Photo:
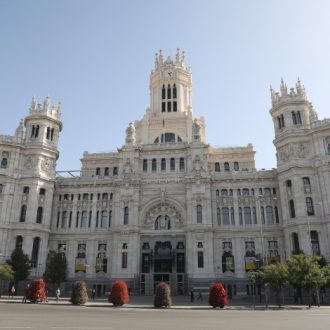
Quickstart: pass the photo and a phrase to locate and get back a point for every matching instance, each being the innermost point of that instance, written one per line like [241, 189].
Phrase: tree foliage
[163, 295]
[56, 268]
[79, 295]
[306, 272]
[6, 272]
[276, 275]
[119, 294]
[20, 263]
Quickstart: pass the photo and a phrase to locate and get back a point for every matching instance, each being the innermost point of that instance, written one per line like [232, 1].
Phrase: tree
[163, 295]
[217, 296]
[306, 272]
[119, 294]
[56, 268]
[276, 275]
[6, 272]
[21, 265]
[79, 295]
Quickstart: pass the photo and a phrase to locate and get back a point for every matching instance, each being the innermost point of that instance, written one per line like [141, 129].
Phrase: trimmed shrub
[163, 295]
[119, 294]
[79, 295]
[36, 292]
[217, 296]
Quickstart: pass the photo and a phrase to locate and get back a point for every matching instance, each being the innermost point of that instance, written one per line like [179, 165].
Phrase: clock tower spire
[170, 86]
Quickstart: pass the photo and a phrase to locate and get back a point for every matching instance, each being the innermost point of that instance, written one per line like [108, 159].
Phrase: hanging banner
[80, 265]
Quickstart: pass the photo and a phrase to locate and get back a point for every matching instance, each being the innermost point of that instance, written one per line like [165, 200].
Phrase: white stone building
[166, 205]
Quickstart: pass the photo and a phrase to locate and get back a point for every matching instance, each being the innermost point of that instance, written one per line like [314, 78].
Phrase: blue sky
[95, 57]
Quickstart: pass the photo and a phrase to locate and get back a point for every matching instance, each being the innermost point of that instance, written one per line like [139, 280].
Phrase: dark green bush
[163, 295]
[79, 295]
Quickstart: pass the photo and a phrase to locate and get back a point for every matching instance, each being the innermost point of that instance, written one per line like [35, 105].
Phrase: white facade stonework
[166, 205]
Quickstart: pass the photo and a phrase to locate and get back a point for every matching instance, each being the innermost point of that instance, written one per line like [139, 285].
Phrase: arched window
[98, 171]
[228, 262]
[163, 93]
[225, 216]
[37, 131]
[254, 213]
[240, 214]
[309, 206]
[145, 165]
[218, 216]
[35, 252]
[32, 131]
[51, 134]
[23, 213]
[115, 171]
[48, 133]
[306, 181]
[224, 192]
[315, 243]
[295, 243]
[247, 215]
[39, 215]
[217, 167]
[282, 121]
[232, 216]
[269, 215]
[163, 164]
[294, 118]
[199, 214]
[126, 215]
[236, 166]
[64, 221]
[154, 165]
[42, 191]
[262, 210]
[299, 118]
[276, 215]
[105, 196]
[174, 91]
[230, 192]
[4, 163]
[19, 242]
[172, 164]
[104, 219]
[226, 167]
[217, 193]
[246, 192]
[292, 209]
[111, 196]
[106, 171]
[181, 164]
[169, 92]
[83, 223]
[163, 222]
[267, 192]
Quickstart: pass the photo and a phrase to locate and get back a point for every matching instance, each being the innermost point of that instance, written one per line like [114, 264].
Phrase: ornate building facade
[167, 206]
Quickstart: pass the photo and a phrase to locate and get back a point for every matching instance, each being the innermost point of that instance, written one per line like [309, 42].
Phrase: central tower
[169, 117]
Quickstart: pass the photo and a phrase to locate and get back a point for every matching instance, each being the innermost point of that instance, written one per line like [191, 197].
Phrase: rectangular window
[200, 259]
[169, 106]
[309, 206]
[124, 260]
[163, 106]
[172, 164]
[181, 164]
[175, 106]
[70, 219]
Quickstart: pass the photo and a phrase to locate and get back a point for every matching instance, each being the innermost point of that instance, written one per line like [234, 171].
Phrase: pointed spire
[177, 56]
[46, 103]
[283, 88]
[156, 60]
[33, 106]
[160, 56]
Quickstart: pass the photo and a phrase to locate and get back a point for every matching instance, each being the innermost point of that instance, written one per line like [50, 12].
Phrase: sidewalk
[178, 302]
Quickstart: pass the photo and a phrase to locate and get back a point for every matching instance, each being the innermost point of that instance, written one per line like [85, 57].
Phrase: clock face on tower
[168, 74]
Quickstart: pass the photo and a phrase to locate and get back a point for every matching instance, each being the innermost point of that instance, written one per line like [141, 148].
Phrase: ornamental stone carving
[158, 217]
[130, 134]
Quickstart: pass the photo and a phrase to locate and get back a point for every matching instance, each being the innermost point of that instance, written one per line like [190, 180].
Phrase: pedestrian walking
[93, 294]
[192, 298]
[26, 292]
[200, 296]
[58, 292]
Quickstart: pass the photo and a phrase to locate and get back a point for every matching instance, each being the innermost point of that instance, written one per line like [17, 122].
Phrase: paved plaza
[139, 315]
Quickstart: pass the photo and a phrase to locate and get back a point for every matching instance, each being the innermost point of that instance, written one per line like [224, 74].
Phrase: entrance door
[161, 278]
